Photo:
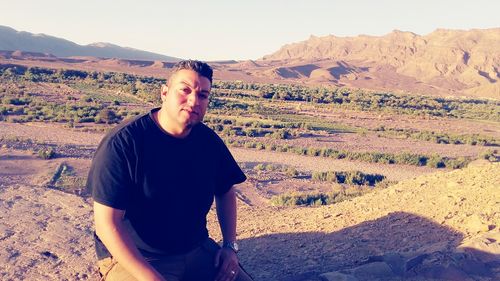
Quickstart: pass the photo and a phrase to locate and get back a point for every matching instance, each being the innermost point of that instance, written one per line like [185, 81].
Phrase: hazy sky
[224, 29]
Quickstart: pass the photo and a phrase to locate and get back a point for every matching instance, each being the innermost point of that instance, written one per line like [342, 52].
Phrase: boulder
[337, 276]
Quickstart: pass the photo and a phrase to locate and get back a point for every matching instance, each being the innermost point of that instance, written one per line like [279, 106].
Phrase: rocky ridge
[430, 227]
[461, 60]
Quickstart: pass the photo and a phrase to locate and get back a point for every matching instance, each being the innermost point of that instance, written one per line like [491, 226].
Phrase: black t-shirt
[165, 185]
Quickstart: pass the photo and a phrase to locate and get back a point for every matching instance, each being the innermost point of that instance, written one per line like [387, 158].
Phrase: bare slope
[47, 234]
[444, 62]
[430, 214]
[12, 40]
[456, 60]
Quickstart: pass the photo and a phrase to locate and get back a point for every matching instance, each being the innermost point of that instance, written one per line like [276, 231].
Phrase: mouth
[190, 111]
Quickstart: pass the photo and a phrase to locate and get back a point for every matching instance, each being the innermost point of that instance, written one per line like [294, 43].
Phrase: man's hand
[227, 262]
[110, 229]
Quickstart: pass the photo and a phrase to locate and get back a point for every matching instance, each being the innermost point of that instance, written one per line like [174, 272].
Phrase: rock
[442, 272]
[395, 261]
[447, 266]
[337, 276]
[474, 224]
[5, 232]
[374, 270]
[474, 267]
[485, 248]
[415, 261]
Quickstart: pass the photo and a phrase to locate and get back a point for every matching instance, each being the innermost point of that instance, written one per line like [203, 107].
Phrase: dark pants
[196, 265]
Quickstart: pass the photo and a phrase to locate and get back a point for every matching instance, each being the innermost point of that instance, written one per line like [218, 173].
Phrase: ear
[164, 90]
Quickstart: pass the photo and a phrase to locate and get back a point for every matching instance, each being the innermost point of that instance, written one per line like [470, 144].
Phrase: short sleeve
[109, 178]
[229, 173]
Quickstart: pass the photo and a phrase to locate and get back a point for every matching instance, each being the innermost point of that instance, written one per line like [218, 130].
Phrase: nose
[193, 99]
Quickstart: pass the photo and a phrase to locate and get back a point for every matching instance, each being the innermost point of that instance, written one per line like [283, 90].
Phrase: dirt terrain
[374, 120]
[432, 222]
[446, 63]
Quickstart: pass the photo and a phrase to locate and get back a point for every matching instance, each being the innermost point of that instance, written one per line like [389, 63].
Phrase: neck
[169, 127]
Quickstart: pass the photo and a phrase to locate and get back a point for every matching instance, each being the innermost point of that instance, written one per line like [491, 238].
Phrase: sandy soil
[373, 120]
[431, 213]
[58, 134]
[310, 163]
[49, 133]
[370, 142]
[46, 234]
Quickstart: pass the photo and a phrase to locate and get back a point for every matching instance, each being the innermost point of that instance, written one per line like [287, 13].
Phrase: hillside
[13, 40]
[431, 217]
[423, 228]
[449, 60]
[445, 63]
[410, 209]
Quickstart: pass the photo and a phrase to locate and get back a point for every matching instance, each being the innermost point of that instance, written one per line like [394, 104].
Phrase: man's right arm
[110, 229]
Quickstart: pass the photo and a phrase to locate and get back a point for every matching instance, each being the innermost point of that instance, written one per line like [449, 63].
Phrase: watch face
[232, 245]
[235, 247]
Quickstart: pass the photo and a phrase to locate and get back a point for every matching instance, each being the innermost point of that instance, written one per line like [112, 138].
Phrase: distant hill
[460, 61]
[13, 40]
[447, 63]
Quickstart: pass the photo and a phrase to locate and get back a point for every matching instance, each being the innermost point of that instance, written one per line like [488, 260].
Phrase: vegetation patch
[437, 137]
[433, 161]
[287, 170]
[315, 199]
[65, 179]
[46, 153]
[348, 177]
[479, 109]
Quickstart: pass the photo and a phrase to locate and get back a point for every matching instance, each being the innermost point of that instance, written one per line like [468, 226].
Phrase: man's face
[185, 99]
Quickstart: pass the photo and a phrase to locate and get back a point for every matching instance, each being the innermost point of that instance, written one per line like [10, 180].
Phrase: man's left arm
[226, 259]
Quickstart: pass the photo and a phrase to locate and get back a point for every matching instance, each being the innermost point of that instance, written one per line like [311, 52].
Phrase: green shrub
[107, 116]
[314, 199]
[385, 184]
[260, 146]
[260, 167]
[411, 159]
[291, 172]
[299, 199]
[349, 177]
[281, 134]
[490, 155]
[46, 153]
[436, 161]
[457, 163]
[271, 147]
[250, 132]
[217, 127]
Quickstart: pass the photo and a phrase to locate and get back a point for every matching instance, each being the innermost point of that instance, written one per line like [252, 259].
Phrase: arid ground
[342, 184]
[46, 231]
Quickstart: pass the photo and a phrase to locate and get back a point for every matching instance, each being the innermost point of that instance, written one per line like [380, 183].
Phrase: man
[153, 181]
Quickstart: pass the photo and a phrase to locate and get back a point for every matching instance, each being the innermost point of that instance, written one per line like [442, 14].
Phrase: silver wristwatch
[231, 245]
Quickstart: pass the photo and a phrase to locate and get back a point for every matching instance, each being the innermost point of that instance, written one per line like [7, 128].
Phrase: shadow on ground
[411, 246]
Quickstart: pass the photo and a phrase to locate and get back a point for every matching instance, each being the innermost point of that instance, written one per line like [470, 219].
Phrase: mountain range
[457, 63]
[453, 61]
[11, 40]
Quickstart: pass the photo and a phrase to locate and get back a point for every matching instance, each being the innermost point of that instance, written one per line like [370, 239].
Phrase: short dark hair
[197, 66]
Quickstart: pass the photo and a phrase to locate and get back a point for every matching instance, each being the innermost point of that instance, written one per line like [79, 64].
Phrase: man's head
[185, 97]
[199, 67]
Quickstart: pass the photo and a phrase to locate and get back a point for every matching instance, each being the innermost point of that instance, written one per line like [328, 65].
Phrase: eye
[185, 90]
